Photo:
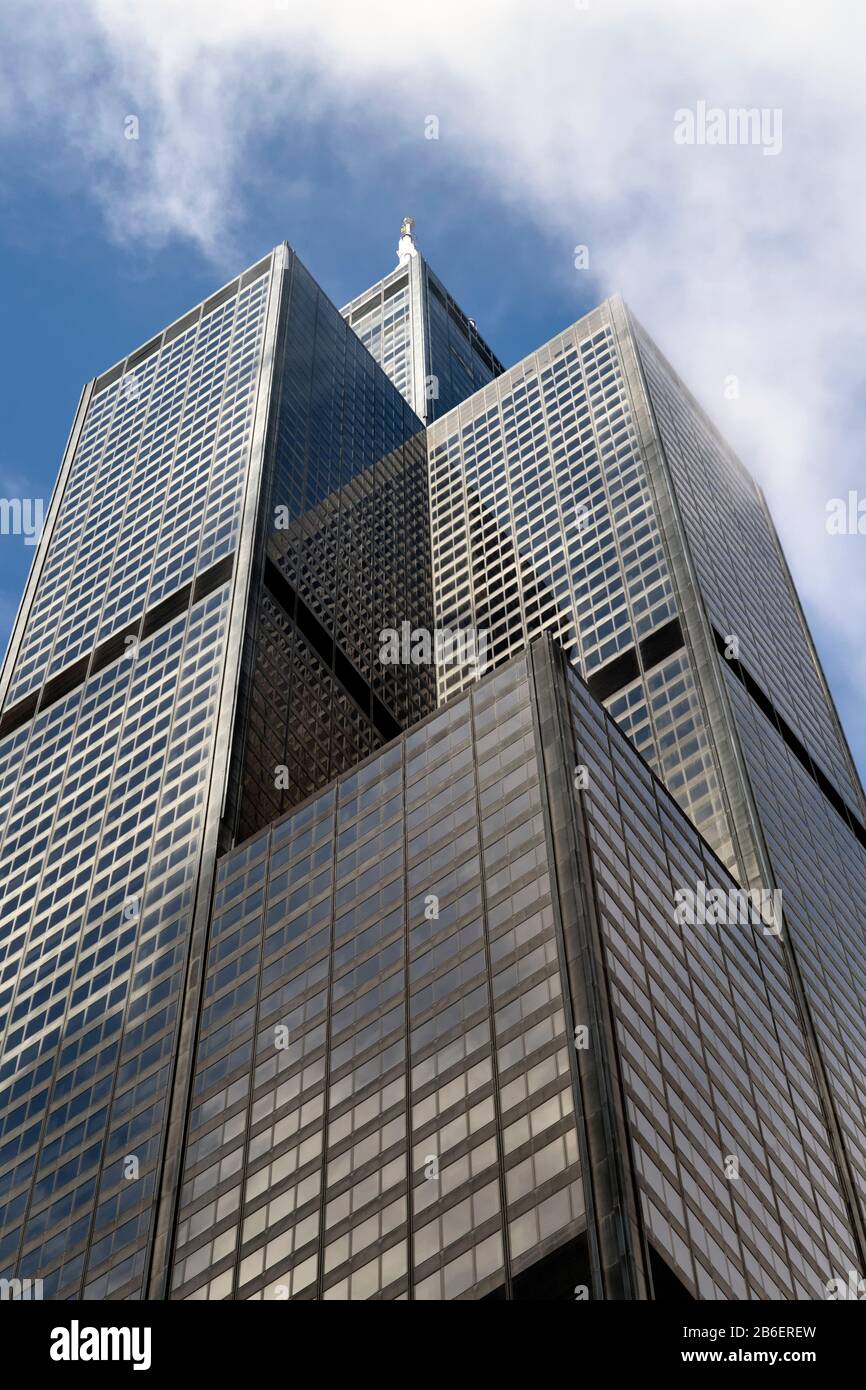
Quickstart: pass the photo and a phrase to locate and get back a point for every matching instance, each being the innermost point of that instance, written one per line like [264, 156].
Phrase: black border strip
[326, 648]
[783, 728]
[617, 673]
[114, 646]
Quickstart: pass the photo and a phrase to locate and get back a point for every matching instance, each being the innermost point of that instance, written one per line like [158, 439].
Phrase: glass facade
[383, 1105]
[544, 521]
[224, 546]
[153, 497]
[422, 340]
[325, 975]
[767, 694]
[344, 555]
[585, 493]
[712, 1051]
[741, 572]
[107, 746]
[388, 1100]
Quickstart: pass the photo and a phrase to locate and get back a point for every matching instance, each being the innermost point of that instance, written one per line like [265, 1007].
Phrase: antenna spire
[406, 247]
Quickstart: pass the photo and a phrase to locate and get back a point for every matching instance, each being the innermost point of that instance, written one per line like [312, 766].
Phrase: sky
[558, 125]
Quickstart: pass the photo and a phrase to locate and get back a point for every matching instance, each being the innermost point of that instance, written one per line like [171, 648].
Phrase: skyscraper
[544, 519]
[420, 336]
[457, 1045]
[586, 493]
[196, 647]
[313, 989]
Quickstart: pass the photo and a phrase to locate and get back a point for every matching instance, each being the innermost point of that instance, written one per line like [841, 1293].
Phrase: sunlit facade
[196, 648]
[586, 493]
[449, 988]
[420, 336]
[544, 520]
[330, 976]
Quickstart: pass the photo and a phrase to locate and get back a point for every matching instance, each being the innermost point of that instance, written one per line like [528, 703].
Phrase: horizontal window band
[165, 612]
[67, 680]
[212, 578]
[661, 644]
[612, 677]
[395, 288]
[19, 714]
[114, 646]
[625, 668]
[330, 653]
[221, 297]
[181, 326]
[364, 309]
[792, 742]
[255, 271]
[108, 377]
[143, 352]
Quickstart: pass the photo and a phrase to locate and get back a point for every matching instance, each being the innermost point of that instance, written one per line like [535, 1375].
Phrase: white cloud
[737, 263]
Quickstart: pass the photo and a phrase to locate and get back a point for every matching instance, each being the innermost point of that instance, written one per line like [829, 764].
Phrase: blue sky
[269, 121]
[76, 299]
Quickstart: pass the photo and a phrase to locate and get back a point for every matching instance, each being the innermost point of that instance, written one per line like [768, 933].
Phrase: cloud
[739, 264]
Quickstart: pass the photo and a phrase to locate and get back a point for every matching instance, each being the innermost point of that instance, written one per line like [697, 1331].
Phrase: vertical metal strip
[173, 1135]
[617, 1238]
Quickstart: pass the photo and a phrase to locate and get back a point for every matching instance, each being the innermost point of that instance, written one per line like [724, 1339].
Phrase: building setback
[456, 1045]
[420, 336]
[196, 647]
[329, 975]
[586, 493]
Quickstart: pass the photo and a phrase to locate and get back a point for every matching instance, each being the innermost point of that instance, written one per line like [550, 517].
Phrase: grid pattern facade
[345, 556]
[660, 713]
[821, 868]
[459, 360]
[117, 721]
[111, 717]
[386, 1103]
[743, 580]
[102, 819]
[543, 521]
[385, 1092]
[422, 340]
[383, 322]
[713, 1058]
[383, 1104]
[808, 803]
[153, 496]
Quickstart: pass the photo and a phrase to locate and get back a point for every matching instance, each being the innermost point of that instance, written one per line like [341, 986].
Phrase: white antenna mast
[406, 247]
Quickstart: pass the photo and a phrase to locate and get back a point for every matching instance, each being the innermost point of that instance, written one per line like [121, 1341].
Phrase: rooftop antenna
[406, 247]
